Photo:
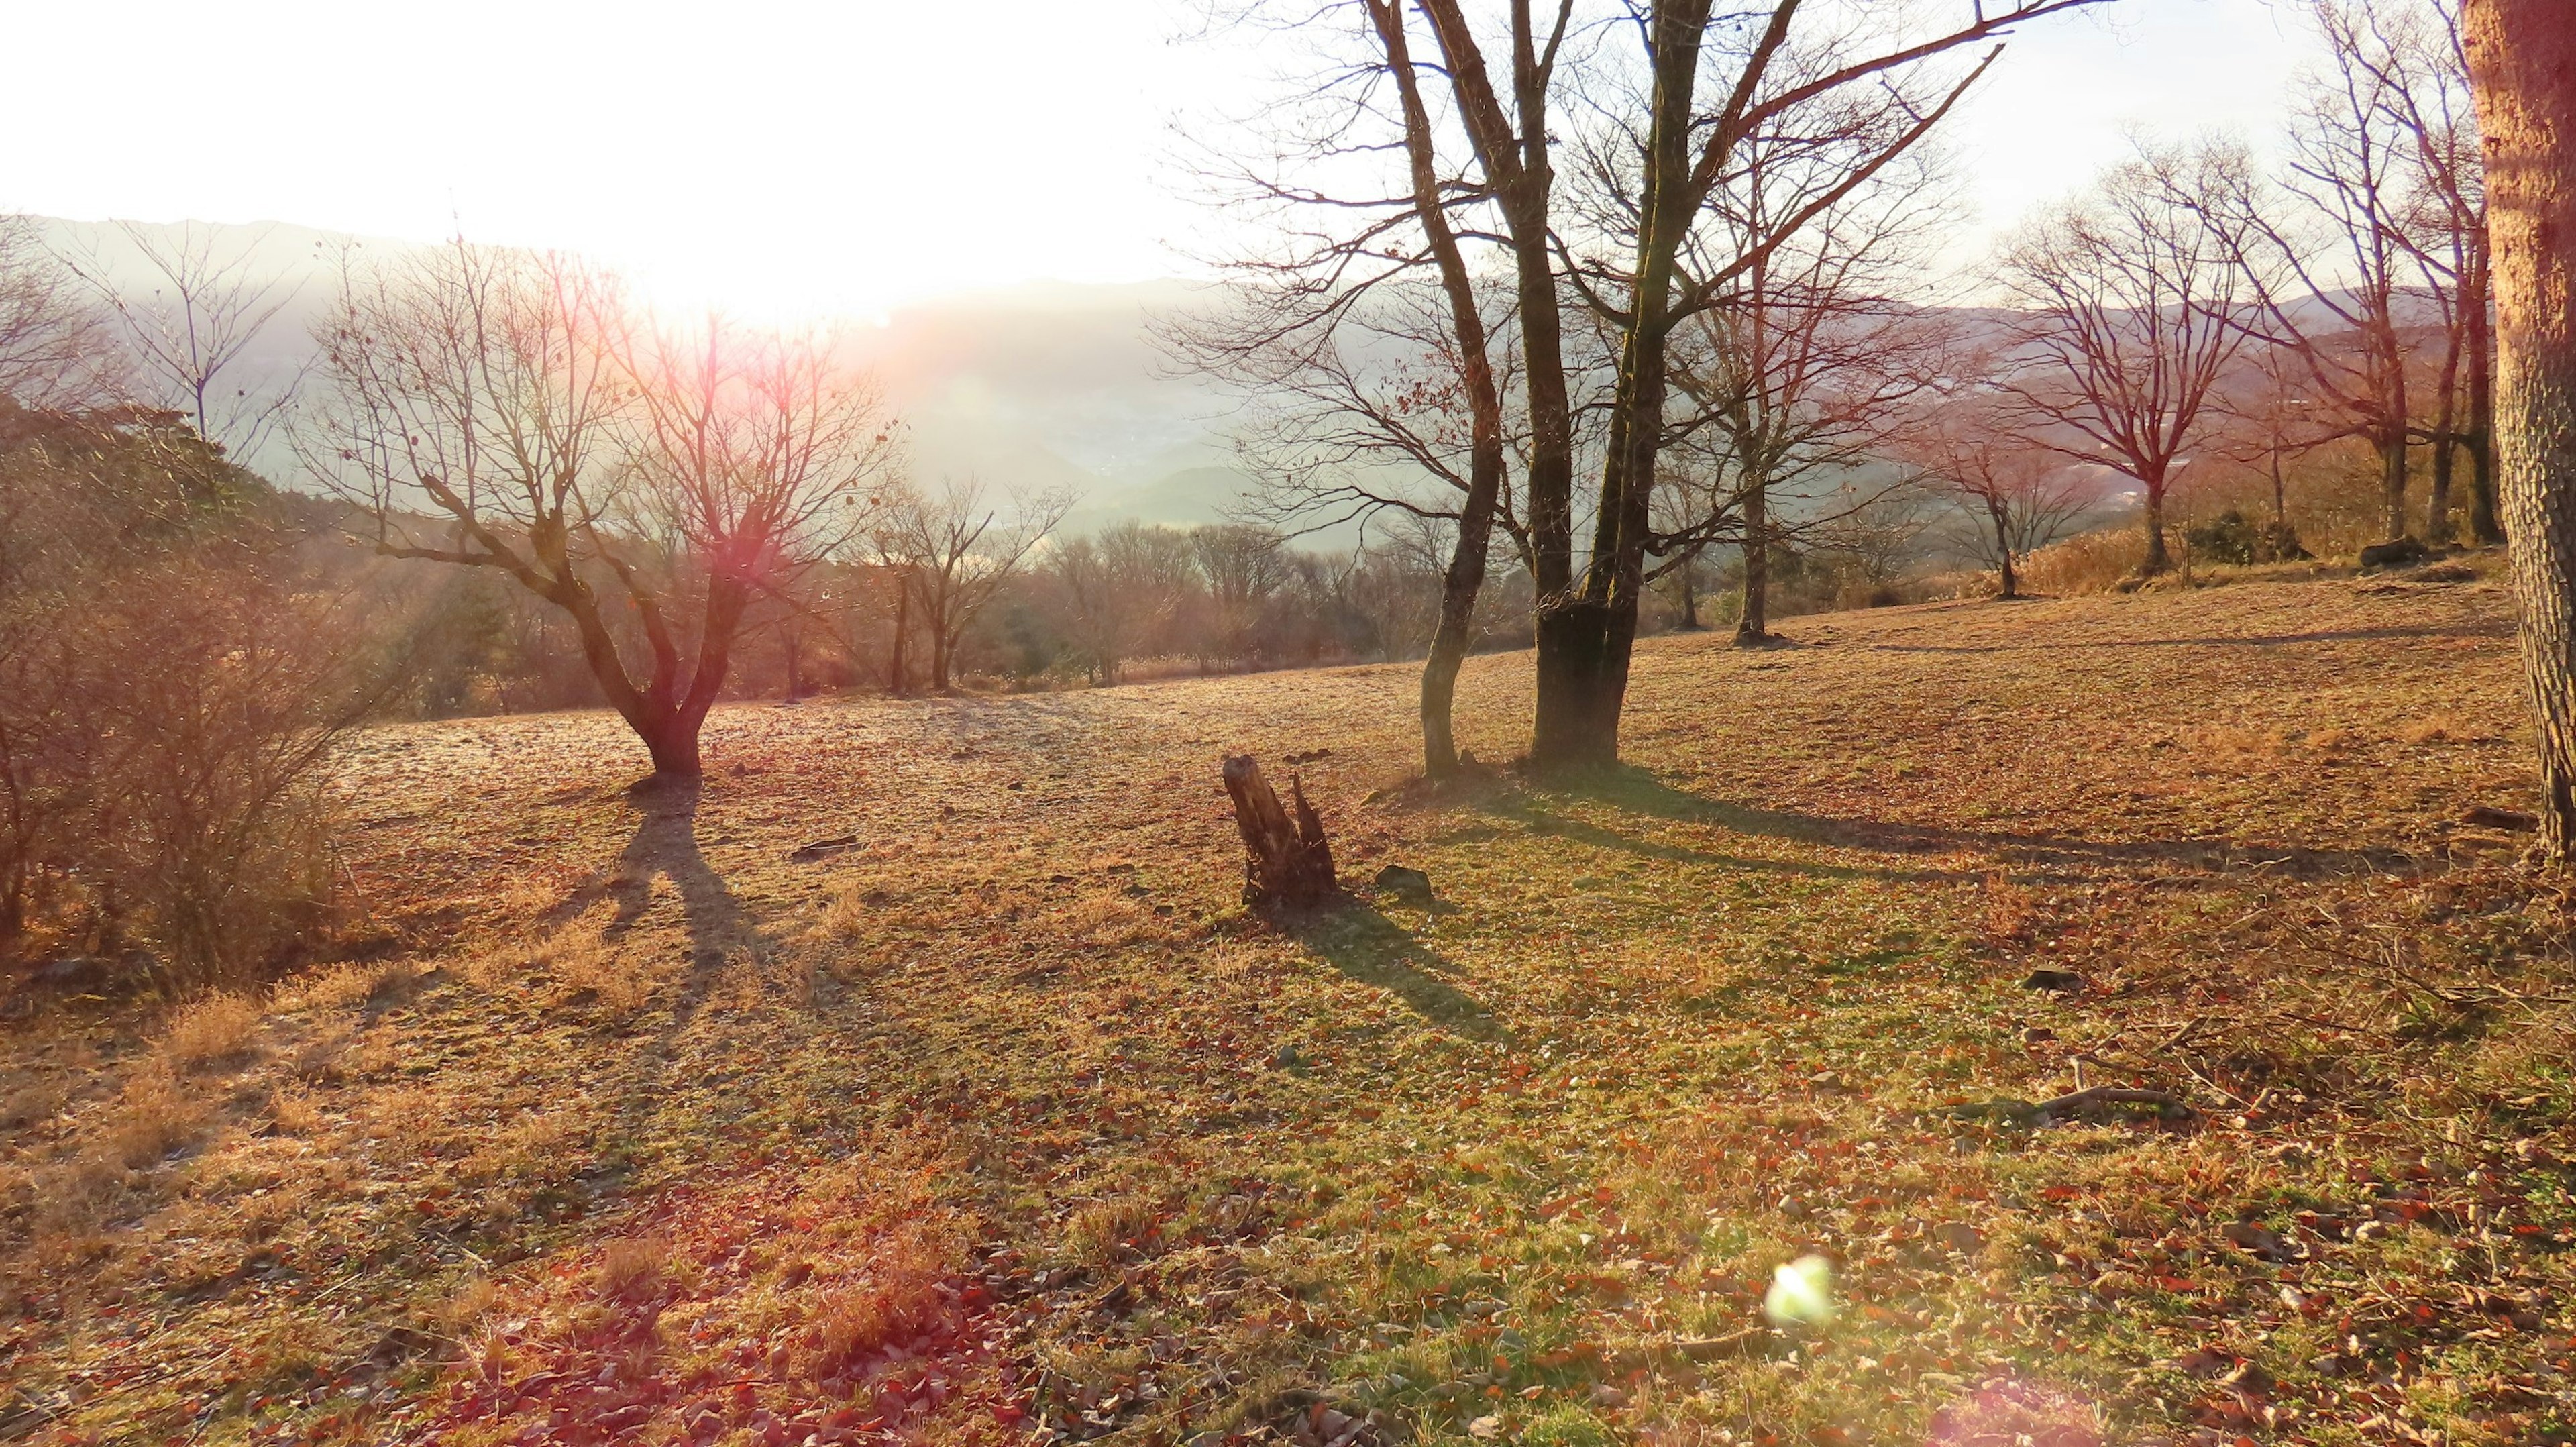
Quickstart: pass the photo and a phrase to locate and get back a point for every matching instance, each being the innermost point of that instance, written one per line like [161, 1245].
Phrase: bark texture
[1288, 865]
[2522, 67]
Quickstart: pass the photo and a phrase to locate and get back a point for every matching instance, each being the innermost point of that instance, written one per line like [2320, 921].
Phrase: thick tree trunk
[2392, 480]
[2522, 65]
[1573, 640]
[1755, 625]
[2437, 506]
[2158, 560]
[672, 740]
[1288, 864]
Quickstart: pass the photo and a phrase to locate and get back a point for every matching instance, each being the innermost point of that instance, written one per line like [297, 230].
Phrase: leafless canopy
[503, 409]
[2132, 309]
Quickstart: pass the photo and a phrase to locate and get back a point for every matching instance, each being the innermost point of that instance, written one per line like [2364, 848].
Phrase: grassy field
[634, 1119]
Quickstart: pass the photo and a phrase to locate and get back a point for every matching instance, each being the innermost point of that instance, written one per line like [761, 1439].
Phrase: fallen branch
[2037, 1112]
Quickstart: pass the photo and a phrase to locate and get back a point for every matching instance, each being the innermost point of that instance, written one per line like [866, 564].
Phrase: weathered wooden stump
[1288, 864]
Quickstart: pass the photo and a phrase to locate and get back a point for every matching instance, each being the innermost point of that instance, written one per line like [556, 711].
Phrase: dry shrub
[154, 1116]
[633, 1266]
[349, 986]
[2235, 745]
[25, 1104]
[587, 964]
[2441, 729]
[896, 1298]
[293, 1110]
[2087, 563]
[216, 1030]
[1101, 1232]
[2010, 912]
[1106, 920]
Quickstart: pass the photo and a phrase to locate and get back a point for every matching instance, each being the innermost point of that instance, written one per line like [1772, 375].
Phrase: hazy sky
[847, 154]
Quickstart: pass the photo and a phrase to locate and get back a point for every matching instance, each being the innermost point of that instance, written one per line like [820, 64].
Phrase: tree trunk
[1689, 584]
[2437, 507]
[895, 681]
[2158, 560]
[1573, 640]
[2522, 65]
[2392, 479]
[1288, 864]
[2002, 516]
[795, 659]
[1465, 576]
[2485, 523]
[672, 740]
[1755, 624]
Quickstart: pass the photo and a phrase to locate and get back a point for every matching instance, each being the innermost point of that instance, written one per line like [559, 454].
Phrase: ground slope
[991, 1115]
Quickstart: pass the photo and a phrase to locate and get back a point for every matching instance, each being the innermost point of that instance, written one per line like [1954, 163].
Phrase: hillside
[1037, 385]
[919, 1077]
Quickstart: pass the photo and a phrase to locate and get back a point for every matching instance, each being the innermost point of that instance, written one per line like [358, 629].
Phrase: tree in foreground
[501, 409]
[2522, 63]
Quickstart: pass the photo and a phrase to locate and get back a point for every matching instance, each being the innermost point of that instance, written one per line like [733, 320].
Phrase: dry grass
[217, 1030]
[1009, 1119]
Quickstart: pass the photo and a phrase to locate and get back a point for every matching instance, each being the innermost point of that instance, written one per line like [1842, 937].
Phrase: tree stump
[1287, 865]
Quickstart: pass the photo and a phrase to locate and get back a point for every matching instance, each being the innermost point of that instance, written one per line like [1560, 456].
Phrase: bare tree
[2326, 249]
[2522, 62]
[2131, 313]
[493, 408]
[1864, 80]
[2021, 495]
[55, 350]
[1794, 379]
[207, 309]
[1120, 590]
[953, 550]
[1374, 326]
[1242, 567]
[2415, 60]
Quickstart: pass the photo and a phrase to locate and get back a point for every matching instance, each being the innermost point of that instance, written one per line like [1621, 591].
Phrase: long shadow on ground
[1368, 947]
[1638, 791]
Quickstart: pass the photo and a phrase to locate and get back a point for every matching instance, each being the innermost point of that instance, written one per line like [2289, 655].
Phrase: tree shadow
[1538, 819]
[1366, 946]
[2265, 640]
[1636, 790]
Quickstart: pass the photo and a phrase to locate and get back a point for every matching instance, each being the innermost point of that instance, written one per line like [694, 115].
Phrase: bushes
[2232, 537]
[2088, 563]
[169, 694]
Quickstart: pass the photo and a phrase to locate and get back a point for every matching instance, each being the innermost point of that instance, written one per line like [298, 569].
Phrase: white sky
[792, 155]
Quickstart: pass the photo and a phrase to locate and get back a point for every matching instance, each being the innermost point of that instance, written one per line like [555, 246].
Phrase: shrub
[214, 1030]
[2087, 563]
[171, 686]
[2232, 537]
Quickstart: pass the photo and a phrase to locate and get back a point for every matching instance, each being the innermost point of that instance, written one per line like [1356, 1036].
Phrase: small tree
[953, 551]
[207, 308]
[2019, 495]
[497, 409]
[55, 348]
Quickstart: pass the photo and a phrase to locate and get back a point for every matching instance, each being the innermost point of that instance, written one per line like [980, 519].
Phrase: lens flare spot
[1801, 1291]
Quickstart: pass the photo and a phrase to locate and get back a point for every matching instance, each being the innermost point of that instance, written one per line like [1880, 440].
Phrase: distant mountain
[1042, 385]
